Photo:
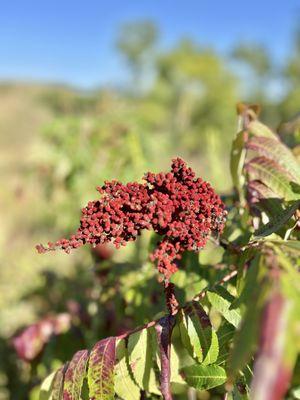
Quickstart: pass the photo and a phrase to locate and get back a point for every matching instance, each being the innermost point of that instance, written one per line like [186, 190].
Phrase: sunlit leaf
[46, 387]
[58, 383]
[75, 375]
[275, 150]
[222, 303]
[125, 387]
[259, 129]
[204, 376]
[140, 360]
[101, 370]
[198, 335]
[272, 175]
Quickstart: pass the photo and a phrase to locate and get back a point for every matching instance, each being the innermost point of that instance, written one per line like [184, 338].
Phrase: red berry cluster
[183, 209]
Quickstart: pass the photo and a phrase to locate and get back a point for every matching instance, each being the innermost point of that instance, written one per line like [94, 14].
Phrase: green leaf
[275, 150]
[244, 342]
[272, 175]
[46, 387]
[212, 254]
[198, 335]
[225, 336]
[175, 361]
[204, 377]
[140, 360]
[246, 337]
[277, 222]
[221, 302]
[101, 370]
[296, 392]
[58, 383]
[125, 387]
[250, 281]
[259, 129]
[175, 367]
[290, 245]
[237, 160]
[75, 375]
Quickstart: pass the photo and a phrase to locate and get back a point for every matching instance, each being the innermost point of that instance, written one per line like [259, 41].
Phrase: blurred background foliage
[59, 143]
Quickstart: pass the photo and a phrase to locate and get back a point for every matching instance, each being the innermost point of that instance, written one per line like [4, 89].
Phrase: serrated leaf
[125, 387]
[140, 360]
[75, 375]
[225, 336]
[58, 383]
[277, 222]
[272, 175]
[259, 191]
[198, 335]
[276, 151]
[222, 304]
[204, 377]
[259, 129]
[101, 370]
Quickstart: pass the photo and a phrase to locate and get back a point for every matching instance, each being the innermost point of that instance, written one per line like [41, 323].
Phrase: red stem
[164, 328]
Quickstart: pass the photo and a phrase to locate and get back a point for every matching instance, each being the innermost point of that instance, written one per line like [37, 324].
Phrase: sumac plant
[239, 337]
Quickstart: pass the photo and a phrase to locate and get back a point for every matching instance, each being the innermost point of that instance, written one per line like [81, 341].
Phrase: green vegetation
[58, 144]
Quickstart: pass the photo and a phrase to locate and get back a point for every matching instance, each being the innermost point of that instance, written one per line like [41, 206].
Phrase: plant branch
[197, 297]
[164, 328]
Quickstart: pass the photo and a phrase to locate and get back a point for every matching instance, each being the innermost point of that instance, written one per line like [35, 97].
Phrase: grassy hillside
[23, 114]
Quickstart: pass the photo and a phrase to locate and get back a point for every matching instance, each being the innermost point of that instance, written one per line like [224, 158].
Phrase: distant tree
[291, 72]
[136, 41]
[255, 56]
[258, 63]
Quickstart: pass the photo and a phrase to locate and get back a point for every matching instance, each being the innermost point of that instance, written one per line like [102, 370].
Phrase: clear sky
[72, 41]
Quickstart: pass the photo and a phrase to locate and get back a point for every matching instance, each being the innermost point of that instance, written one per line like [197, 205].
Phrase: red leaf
[31, 341]
[101, 369]
[271, 374]
[74, 376]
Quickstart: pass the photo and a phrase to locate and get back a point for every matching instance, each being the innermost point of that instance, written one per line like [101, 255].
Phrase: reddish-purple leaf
[275, 150]
[272, 175]
[194, 308]
[263, 197]
[164, 328]
[101, 370]
[259, 191]
[271, 374]
[75, 375]
[58, 383]
[31, 341]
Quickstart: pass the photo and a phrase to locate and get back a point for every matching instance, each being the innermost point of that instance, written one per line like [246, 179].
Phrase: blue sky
[73, 41]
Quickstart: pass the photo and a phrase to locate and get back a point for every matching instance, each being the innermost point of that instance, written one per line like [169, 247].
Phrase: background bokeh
[109, 92]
